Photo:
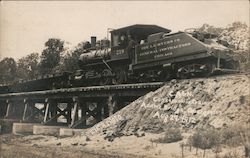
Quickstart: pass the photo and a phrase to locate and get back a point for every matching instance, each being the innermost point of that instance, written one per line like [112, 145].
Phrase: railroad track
[88, 91]
[106, 88]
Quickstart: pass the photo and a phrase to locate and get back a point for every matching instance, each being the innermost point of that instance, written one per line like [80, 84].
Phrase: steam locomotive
[147, 53]
[141, 53]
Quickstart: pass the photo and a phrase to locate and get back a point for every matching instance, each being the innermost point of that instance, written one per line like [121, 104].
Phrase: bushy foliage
[8, 69]
[206, 28]
[230, 136]
[171, 135]
[50, 57]
[27, 66]
[206, 138]
[71, 58]
[233, 136]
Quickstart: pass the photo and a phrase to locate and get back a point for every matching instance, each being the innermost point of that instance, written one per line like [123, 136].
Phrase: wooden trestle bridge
[74, 105]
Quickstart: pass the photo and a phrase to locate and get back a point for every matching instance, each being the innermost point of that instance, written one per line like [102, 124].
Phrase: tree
[81, 47]
[238, 24]
[205, 138]
[69, 62]
[8, 69]
[50, 57]
[27, 66]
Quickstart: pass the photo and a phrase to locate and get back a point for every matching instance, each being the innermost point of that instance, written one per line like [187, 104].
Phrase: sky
[26, 25]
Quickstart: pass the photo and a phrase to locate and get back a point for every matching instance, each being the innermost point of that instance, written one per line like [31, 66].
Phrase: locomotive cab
[124, 40]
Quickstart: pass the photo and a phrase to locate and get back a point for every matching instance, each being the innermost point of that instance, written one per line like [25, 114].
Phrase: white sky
[25, 26]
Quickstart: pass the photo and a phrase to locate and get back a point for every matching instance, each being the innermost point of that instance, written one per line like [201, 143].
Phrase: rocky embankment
[236, 35]
[218, 102]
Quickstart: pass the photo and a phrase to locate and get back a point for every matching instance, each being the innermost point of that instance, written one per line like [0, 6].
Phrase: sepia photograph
[125, 79]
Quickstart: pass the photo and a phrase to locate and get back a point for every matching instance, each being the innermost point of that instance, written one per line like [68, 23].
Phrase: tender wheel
[209, 70]
[105, 79]
[120, 76]
[143, 79]
[183, 72]
[166, 75]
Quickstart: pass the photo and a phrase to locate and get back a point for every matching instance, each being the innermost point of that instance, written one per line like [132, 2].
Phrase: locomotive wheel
[144, 79]
[184, 73]
[166, 75]
[120, 76]
[105, 79]
[209, 69]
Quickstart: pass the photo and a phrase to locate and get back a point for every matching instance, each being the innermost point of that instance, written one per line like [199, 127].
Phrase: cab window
[116, 40]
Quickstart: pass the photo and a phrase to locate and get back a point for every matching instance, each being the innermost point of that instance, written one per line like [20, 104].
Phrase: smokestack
[93, 41]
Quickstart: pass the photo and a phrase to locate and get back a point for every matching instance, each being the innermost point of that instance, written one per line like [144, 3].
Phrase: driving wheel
[106, 77]
[120, 76]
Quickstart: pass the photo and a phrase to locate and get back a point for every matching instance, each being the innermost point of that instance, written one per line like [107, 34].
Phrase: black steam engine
[147, 53]
[142, 53]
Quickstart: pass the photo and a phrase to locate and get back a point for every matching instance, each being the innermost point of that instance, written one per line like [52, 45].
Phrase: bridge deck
[93, 91]
[80, 100]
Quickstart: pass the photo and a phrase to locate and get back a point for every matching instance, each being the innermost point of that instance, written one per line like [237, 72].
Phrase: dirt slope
[217, 101]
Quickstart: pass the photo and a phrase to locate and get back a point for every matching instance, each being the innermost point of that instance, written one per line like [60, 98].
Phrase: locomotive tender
[141, 53]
